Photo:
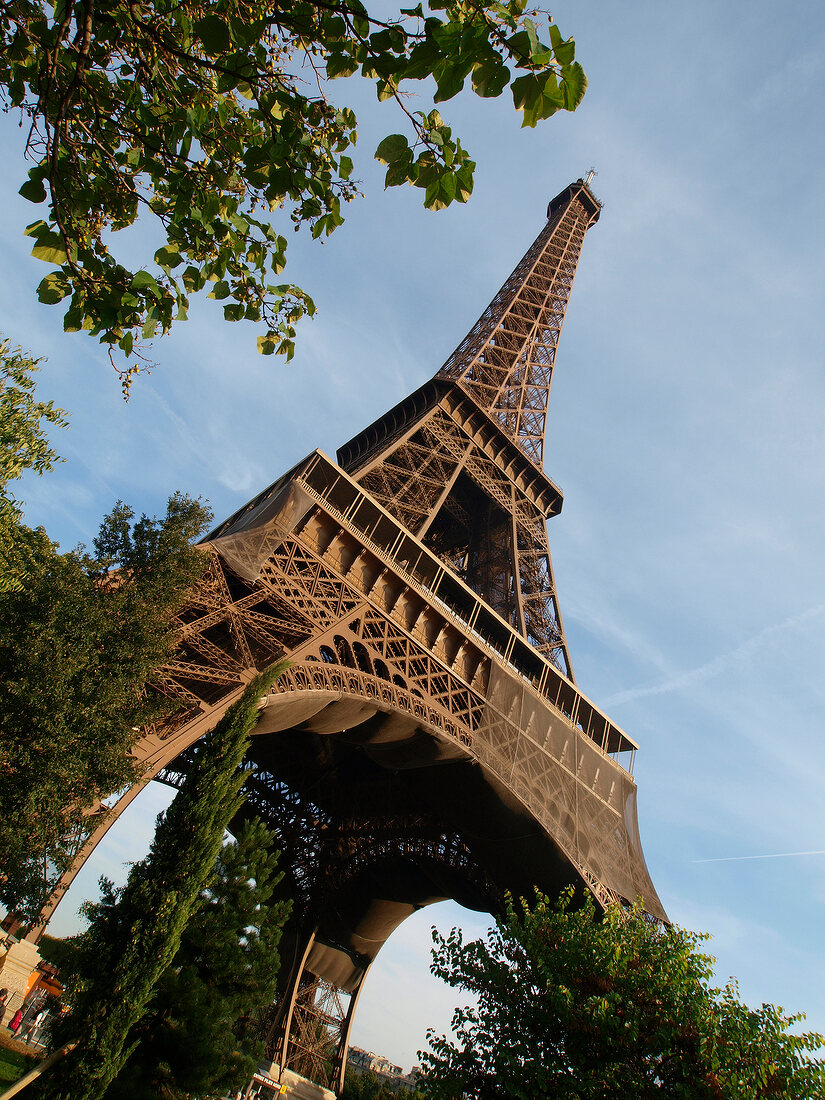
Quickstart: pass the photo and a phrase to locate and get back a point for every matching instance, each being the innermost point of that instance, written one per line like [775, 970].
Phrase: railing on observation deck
[327, 483]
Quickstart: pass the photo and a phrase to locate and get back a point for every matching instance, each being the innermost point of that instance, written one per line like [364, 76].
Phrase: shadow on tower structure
[428, 740]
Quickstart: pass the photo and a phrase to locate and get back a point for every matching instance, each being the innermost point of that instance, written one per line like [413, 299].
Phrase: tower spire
[459, 462]
[506, 360]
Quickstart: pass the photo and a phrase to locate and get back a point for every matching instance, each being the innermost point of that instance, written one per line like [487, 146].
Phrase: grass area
[13, 1065]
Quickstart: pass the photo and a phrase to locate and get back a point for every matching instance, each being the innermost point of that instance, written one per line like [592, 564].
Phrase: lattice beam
[506, 361]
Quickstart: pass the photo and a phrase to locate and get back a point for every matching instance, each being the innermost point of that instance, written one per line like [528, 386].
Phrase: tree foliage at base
[366, 1085]
[79, 640]
[129, 945]
[81, 634]
[207, 115]
[583, 1009]
[191, 1041]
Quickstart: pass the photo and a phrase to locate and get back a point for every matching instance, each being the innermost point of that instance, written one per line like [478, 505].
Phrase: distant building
[358, 1058]
[363, 1061]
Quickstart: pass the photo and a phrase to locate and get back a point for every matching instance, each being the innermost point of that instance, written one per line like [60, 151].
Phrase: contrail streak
[749, 648]
[771, 855]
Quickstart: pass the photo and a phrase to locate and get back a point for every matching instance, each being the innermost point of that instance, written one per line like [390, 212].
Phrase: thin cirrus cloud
[725, 661]
[766, 855]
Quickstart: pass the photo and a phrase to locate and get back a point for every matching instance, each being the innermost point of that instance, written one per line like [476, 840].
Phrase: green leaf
[73, 320]
[50, 248]
[36, 229]
[532, 36]
[53, 289]
[464, 182]
[386, 89]
[266, 344]
[399, 172]
[214, 34]
[220, 290]
[450, 81]
[168, 257]
[573, 85]
[33, 188]
[564, 52]
[490, 78]
[423, 58]
[340, 64]
[538, 95]
[381, 41]
[433, 197]
[448, 187]
[520, 47]
[392, 148]
[142, 280]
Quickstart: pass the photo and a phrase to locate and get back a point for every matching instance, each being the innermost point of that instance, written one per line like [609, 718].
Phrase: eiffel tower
[428, 740]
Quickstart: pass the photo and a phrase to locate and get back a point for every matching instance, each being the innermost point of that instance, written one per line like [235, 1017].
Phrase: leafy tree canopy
[206, 115]
[78, 644]
[24, 445]
[574, 1007]
[23, 441]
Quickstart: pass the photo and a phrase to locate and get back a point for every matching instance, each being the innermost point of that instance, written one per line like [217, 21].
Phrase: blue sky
[685, 430]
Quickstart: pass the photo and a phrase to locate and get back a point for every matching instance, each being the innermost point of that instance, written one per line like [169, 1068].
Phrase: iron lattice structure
[428, 740]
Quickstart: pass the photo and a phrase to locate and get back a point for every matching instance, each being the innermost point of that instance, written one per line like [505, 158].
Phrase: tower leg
[312, 1039]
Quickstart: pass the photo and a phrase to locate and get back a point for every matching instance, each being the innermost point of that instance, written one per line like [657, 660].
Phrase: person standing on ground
[31, 1025]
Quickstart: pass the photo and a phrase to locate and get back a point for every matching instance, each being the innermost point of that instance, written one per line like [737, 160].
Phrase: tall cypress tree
[189, 1043]
[130, 944]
